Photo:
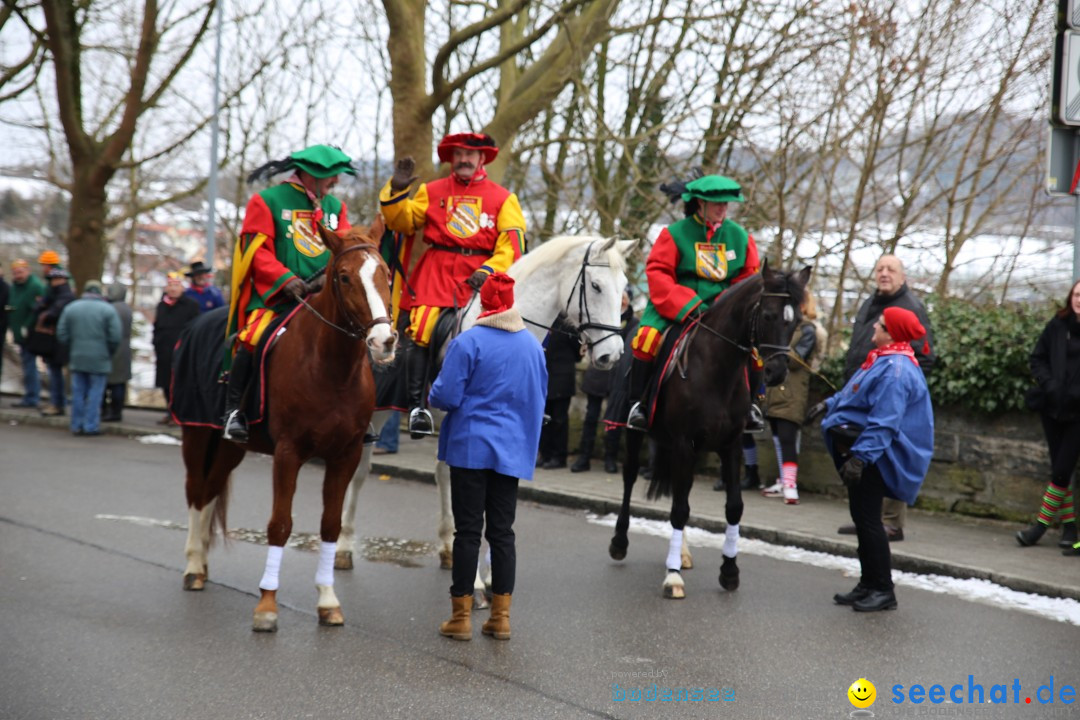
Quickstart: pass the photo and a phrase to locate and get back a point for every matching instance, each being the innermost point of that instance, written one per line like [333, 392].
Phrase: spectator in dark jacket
[43, 340]
[116, 389]
[597, 386]
[174, 313]
[202, 290]
[561, 352]
[90, 329]
[26, 290]
[1055, 364]
[892, 291]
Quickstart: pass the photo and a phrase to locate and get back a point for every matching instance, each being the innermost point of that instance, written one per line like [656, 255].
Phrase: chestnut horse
[703, 407]
[320, 398]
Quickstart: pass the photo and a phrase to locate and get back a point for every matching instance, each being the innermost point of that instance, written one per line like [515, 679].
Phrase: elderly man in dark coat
[174, 313]
[90, 329]
[116, 389]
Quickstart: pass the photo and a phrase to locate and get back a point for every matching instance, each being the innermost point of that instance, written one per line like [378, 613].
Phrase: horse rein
[755, 315]
[355, 330]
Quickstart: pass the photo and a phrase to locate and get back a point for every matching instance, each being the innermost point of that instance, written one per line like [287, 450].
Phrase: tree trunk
[86, 225]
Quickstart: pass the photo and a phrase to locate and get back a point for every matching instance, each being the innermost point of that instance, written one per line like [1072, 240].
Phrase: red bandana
[896, 348]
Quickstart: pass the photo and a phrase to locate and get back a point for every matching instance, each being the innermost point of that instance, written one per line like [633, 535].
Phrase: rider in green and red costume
[690, 264]
[279, 248]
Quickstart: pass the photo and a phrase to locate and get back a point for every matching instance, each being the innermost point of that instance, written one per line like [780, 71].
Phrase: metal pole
[211, 231]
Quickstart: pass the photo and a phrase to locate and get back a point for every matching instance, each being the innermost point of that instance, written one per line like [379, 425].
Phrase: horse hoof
[194, 582]
[729, 574]
[265, 622]
[446, 559]
[687, 562]
[674, 592]
[331, 617]
[617, 549]
[343, 561]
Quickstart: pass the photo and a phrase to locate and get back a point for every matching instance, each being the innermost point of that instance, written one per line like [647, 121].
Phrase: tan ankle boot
[459, 626]
[499, 623]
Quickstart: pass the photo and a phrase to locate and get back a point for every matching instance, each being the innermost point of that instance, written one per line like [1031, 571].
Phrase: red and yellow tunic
[278, 242]
[469, 227]
[688, 267]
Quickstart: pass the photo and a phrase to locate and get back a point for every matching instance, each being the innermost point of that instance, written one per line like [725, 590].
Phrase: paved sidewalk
[945, 544]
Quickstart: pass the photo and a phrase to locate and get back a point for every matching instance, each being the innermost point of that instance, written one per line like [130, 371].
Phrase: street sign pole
[212, 190]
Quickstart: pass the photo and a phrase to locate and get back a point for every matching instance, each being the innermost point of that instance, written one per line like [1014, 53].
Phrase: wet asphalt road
[94, 623]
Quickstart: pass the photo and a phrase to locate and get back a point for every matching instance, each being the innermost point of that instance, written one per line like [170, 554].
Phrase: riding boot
[236, 427]
[640, 370]
[420, 421]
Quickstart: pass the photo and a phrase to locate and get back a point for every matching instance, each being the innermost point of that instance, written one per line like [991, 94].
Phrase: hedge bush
[982, 352]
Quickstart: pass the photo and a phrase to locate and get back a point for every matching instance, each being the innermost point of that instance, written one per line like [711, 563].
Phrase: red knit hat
[903, 325]
[468, 141]
[497, 294]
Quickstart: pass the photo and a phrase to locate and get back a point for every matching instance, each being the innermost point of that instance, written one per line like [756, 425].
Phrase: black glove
[851, 471]
[476, 280]
[314, 286]
[295, 289]
[403, 175]
[815, 412]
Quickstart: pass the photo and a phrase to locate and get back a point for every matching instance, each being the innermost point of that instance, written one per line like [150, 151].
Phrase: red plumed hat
[469, 141]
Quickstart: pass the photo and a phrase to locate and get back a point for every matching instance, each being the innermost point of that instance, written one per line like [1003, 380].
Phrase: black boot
[1031, 535]
[236, 427]
[611, 452]
[755, 421]
[420, 420]
[640, 370]
[751, 480]
[588, 440]
[1068, 534]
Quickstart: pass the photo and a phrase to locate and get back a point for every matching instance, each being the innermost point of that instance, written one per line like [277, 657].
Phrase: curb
[901, 560]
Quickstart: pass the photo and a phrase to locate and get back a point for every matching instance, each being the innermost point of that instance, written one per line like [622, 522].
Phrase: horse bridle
[755, 316]
[355, 330]
[583, 308]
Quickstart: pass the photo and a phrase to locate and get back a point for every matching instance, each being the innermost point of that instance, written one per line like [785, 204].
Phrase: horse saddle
[198, 388]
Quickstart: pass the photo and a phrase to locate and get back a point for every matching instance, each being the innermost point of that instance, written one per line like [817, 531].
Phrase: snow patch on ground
[1065, 610]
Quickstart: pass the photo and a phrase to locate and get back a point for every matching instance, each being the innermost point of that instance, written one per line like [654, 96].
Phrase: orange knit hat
[49, 257]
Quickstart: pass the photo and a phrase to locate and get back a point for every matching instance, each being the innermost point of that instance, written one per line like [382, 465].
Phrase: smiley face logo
[862, 693]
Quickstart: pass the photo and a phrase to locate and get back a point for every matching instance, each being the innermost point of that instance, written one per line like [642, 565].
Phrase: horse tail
[660, 482]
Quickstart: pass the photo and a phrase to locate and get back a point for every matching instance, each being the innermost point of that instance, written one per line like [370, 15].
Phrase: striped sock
[1051, 502]
[789, 473]
[750, 455]
[1066, 513]
[779, 452]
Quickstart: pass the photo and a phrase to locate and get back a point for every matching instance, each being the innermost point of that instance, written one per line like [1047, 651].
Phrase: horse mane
[558, 247]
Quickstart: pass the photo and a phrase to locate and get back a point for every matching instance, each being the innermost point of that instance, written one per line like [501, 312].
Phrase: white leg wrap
[325, 574]
[273, 568]
[731, 541]
[674, 551]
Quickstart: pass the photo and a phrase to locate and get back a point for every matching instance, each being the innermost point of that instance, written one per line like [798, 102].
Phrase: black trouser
[1063, 439]
[864, 501]
[787, 433]
[588, 425]
[555, 436]
[476, 496]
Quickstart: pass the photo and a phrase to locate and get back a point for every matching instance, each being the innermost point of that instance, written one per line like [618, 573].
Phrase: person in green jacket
[90, 329]
[26, 288]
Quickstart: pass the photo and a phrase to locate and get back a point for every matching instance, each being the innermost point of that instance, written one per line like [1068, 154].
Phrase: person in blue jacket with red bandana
[879, 430]
[492, 384]
[690, 264]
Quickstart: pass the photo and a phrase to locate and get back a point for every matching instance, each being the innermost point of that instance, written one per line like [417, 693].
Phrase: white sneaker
[774, 490]
[791, 495]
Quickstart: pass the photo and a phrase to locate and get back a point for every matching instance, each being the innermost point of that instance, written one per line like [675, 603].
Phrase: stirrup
[235, 427]
[755, 421]
[420, 423]
[370, 437]
[636, 420]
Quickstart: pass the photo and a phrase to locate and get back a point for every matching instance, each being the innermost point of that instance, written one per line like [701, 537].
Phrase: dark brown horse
[704, 408]
[320, 398]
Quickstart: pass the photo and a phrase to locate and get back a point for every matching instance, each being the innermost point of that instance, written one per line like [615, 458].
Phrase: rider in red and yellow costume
[473, 228]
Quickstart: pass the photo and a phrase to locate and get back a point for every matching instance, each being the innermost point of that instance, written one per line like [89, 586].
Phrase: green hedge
[982, 353]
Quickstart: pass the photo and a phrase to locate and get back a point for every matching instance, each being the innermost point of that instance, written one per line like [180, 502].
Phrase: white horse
[582, 276]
